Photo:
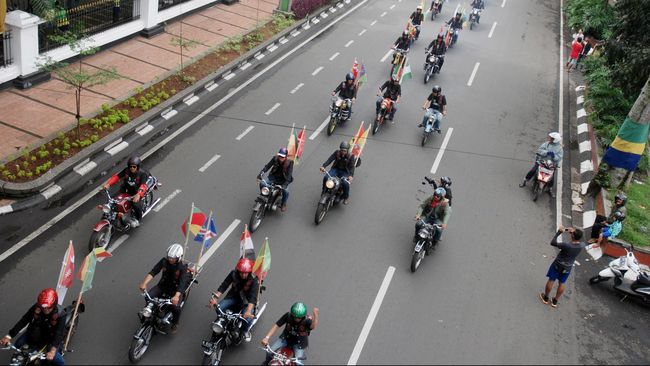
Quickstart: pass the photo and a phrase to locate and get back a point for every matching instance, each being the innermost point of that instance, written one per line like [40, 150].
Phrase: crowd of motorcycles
[226, 329]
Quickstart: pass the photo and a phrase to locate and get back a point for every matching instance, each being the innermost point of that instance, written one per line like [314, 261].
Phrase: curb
[113, 148]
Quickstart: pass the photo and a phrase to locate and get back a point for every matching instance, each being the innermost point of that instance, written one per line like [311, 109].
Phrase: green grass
[638, 215]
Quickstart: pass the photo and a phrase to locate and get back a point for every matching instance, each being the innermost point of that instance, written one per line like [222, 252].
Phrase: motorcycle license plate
[418, 246]
[545, 171]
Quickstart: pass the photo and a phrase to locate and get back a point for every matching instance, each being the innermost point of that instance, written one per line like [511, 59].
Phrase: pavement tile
[12, 138]
[57, 93]
[210, 25]
[247, 11]
[265, 6]
[32, 116]
[164, 40]
[148, 53]
[218, 14]
[197, 34]
[137, 70]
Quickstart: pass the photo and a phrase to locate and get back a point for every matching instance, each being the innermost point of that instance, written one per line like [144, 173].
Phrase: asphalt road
[473, 301]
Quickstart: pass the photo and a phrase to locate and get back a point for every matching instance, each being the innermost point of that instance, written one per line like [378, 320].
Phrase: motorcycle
[155, 317]
[431, 66]
[451, 37]
[473, 17]
[425, 237]
[384, 111]
[116, 214]
[339, 113]
[429, 124]
[284, 357]
[226, 332]
[398, 56]
[627, 275]
[270, 199]
[545, 170]
[331, 195]
[435, 9]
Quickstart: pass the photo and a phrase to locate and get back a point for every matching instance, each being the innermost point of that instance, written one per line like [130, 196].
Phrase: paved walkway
[29, 117]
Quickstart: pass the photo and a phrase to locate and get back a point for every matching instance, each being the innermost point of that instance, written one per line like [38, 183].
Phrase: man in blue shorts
[561, 267]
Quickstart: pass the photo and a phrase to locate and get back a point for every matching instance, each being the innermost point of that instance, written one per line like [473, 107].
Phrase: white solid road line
[373, 23]
[275, 106]
[318, 69]
[436, 162]
[118, 242]
[503, 4]
[218, 242]
[246, 131]
[494, 25]
[365, 331]
[362, 32]
[349, 43]
[210, 162]
[334, 56]
[390, 52]
[177, 132]
[558, 184]
[166, 200]
[319, 129]
[294, 90]
[471, 78]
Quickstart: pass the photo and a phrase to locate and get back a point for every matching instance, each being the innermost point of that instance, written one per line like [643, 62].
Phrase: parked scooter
[627, 275]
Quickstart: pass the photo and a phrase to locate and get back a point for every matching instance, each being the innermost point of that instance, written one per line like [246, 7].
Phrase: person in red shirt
[576, 49]
[134, 183]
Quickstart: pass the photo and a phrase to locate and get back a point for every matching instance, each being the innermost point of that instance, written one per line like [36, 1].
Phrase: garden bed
[33, 164]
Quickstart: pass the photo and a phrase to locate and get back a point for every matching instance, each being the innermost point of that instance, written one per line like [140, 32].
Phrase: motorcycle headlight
[146, 312]
[423, 234]
[217, 327]
[265, 191]
[339, 102]
[329, 184]
[106, 209]
[432, 59]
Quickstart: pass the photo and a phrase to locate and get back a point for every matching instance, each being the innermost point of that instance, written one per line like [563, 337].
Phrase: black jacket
[245, 290]
[174, 278]
[417, 18]
[438, 49]
[42, 329]
[455, 24]
[404, 44]
[391, 91]
[345, 163]
[283, 173]
[346, 91]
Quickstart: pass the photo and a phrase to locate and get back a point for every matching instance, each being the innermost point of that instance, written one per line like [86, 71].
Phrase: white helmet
[557, 138]
[175, 251]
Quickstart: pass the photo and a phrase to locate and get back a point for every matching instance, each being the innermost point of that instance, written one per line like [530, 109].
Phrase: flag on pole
[362, 76]
[405, 71]
[101, 254]
[292, 146]
[87, 271]
[361, 142]
[66, 275]
[246, 243]
[355, 69]
[628, 146]
[197, 219]
[355, 138]
[208, 231]
[263, 261]
[302, 137]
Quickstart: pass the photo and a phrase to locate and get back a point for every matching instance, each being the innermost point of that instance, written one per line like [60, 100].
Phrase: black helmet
[405, 33]
[134, 160]
[618, 215]
[344, 146]
[349, 76]
[436, 89]
[458, 14]
[446, 181]
[621, 196]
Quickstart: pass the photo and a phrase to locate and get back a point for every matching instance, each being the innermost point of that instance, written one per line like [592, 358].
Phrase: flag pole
[187, 229]
[204, 239]
[74, 318]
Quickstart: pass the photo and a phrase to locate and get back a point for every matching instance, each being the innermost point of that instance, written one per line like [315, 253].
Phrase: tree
[77, 78]
[184, 44]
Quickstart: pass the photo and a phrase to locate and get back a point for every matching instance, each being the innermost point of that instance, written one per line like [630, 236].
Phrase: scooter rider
[391, 89]
[435, 99]
[280, 172]
[242, 296]
[45, 328]
[436, 210]
[480, 5]
[173, 282]
[551, 148]
[438, 48]
[297, 327]
[134, 184]
[347, 90]
[417, 17]
[343, 164]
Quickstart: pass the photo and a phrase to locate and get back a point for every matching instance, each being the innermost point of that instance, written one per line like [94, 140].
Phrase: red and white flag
[66, 276]
[246, 244]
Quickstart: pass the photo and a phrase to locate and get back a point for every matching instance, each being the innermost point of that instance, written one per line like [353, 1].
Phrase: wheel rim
[332, 126]
[143, 343]
[322, 213]
[257, 219]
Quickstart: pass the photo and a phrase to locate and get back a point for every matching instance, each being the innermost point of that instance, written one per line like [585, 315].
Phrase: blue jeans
[298, 352]
[236, 305]
[285, 189]
[436, 122]
[58, 357]
[341, 174]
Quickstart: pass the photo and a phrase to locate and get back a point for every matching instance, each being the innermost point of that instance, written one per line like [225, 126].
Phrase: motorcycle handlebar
[295, 360]
[160, 301]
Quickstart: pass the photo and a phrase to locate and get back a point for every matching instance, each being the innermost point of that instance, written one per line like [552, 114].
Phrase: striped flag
[101, 254]
[207, 232]
[263, 261]
[405, 73]
[354, 141]
[292, 146]
[628, 146]
[66, 276]
[87, 271]
[246, 244]
[197, 219]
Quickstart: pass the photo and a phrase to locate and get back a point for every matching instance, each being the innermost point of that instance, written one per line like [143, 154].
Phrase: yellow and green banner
[629, 145]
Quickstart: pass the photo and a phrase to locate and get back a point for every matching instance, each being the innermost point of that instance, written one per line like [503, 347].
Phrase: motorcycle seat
[643, 279]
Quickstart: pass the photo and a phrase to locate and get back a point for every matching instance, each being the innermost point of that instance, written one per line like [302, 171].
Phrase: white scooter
[627, 275]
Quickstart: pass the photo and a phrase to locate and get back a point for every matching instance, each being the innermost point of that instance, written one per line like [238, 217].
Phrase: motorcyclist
[242, 297]
[438, 48]
[45, 328]
[480, 5]
[552, 148]
[391, 89]
[456, 24]
[403, 42]
[347, 90]
[343, 164]
[173, 282]
[417, 17]
[437, 4]
[134, 184]
[436, 210]
[444, 182]
[435, 104]
[297, 327]
[280, 172]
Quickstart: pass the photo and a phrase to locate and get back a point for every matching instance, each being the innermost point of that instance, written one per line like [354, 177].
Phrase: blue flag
[208, 231]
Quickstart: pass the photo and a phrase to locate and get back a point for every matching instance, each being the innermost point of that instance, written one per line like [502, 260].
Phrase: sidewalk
[29, 117]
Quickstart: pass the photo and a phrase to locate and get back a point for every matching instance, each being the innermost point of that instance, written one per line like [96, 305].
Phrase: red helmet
[47, 298]
[245, 265]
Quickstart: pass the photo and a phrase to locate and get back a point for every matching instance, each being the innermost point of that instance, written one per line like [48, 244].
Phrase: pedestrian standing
[561, 267]
[576, 49]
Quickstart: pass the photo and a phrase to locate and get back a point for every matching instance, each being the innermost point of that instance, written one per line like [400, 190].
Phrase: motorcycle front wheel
[256, 219]
[416, 259]
[332, 126]
[375, 125]
[425, 137]
[214, 358]
[321, 210]
[427, 75]
[597, 279]
[100, 239]
[536, 191]
[139, 345]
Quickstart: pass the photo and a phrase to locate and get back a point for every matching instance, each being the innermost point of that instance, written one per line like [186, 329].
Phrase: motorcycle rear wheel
[100, 239]
[416, 259]
[256, 219]
[332, 126]
[321, 211]
[471, 25]
[214, 358]
[140, 346]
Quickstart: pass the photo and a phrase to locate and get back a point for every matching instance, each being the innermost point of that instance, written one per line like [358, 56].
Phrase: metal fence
[88, 18]
[164, 4]
[5, 49]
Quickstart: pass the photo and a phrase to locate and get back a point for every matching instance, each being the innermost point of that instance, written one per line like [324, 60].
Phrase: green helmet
[298, 310]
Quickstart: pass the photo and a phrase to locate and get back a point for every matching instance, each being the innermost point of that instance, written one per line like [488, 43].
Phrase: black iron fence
[88, 18]
[5, 49]
[164, 4]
